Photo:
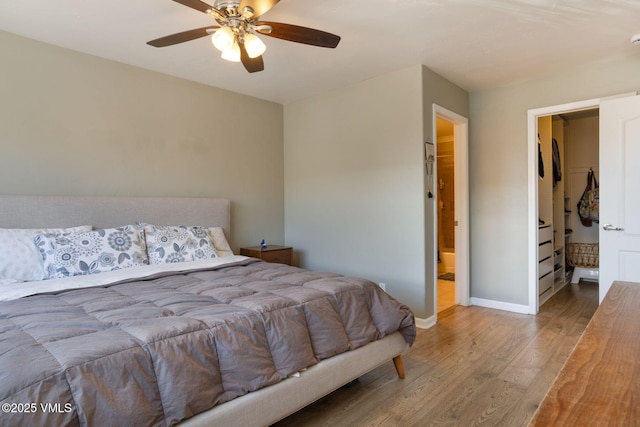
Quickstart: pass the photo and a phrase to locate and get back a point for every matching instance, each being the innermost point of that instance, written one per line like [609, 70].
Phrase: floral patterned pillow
[91, 252]
[166, 244]
[19, 258]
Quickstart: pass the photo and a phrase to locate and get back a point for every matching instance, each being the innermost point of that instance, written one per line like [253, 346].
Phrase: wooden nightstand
[273, 253]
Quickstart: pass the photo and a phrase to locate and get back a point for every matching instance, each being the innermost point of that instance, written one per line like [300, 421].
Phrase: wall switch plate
[382, 286]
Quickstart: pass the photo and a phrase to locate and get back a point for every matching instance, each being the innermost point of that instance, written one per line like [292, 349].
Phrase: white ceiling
[473, 43]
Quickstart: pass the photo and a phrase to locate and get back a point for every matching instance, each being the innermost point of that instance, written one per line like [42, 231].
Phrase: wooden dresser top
[599, 384]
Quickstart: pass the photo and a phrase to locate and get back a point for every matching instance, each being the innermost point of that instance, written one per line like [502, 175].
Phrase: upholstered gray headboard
[103, 212]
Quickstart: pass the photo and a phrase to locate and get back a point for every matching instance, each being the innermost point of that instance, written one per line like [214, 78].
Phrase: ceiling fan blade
[195, 4]
[184, 36]
[295, 33]
[252, 65]
[259, 7]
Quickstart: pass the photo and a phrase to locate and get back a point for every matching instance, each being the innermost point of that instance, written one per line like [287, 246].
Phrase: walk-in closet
[568, 246]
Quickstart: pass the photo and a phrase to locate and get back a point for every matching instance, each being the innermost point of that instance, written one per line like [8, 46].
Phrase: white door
[619, 191]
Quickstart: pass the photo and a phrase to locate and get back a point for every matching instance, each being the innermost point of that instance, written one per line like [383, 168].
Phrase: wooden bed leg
[399, 366]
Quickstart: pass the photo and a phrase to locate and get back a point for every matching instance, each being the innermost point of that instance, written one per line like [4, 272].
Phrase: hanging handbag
[589, 204]
[594, 200]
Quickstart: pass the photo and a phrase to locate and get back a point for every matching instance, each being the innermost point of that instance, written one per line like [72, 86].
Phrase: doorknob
[609, 227]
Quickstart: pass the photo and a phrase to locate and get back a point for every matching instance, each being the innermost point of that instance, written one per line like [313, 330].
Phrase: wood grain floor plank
[476, 367]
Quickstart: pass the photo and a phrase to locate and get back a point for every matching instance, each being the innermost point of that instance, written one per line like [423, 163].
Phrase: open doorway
[539, 289]
[451, 192]
[619, 253]
[568, 145]
[445, 189]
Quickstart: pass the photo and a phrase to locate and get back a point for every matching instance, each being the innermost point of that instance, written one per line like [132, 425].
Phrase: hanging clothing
[557, 168]
[540, 162]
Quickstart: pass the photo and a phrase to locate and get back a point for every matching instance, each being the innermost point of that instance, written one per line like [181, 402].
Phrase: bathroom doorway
[455, 223]
[445, 188]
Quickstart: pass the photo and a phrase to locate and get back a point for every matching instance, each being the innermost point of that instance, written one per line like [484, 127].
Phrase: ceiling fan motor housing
[223, 4]
[228, 6]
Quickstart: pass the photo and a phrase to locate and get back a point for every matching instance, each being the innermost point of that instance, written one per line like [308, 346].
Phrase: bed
[215, 339]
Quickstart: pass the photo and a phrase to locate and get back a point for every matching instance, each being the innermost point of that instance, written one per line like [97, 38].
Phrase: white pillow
[20, 259]
[92, 252]
[219, 241]
[180, 243]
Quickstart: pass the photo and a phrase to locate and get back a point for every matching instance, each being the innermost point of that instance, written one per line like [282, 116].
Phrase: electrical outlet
[382, 286]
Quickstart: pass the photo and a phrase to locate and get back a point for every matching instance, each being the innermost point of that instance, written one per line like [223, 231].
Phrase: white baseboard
[499, 305]
[425, 323]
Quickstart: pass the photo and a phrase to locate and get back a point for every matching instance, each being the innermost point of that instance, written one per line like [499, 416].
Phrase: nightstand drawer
[281, 256]
[273, 253]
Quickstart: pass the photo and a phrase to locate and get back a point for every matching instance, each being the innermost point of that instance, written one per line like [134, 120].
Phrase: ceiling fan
[236, 34]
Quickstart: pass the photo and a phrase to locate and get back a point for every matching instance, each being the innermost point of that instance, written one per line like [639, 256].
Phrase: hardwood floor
[446, 294]
[477, 366]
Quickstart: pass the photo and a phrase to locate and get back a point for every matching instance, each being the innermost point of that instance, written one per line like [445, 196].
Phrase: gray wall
[74, 124]
[354, 180]
[498, 168]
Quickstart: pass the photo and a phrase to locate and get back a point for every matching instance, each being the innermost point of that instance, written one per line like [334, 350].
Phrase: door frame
[461, 200]
[532, 148]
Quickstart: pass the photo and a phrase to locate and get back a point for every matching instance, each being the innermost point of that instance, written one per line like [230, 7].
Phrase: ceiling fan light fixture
[254, 46]
[223, 39]
[232, 53]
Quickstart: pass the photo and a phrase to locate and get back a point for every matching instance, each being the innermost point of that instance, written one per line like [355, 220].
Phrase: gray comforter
[158, 351]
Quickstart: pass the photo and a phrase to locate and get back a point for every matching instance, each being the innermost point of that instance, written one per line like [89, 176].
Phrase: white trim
[425, 323]
[532, 231]
[532, 202]
[461, 160]
[499, 305]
